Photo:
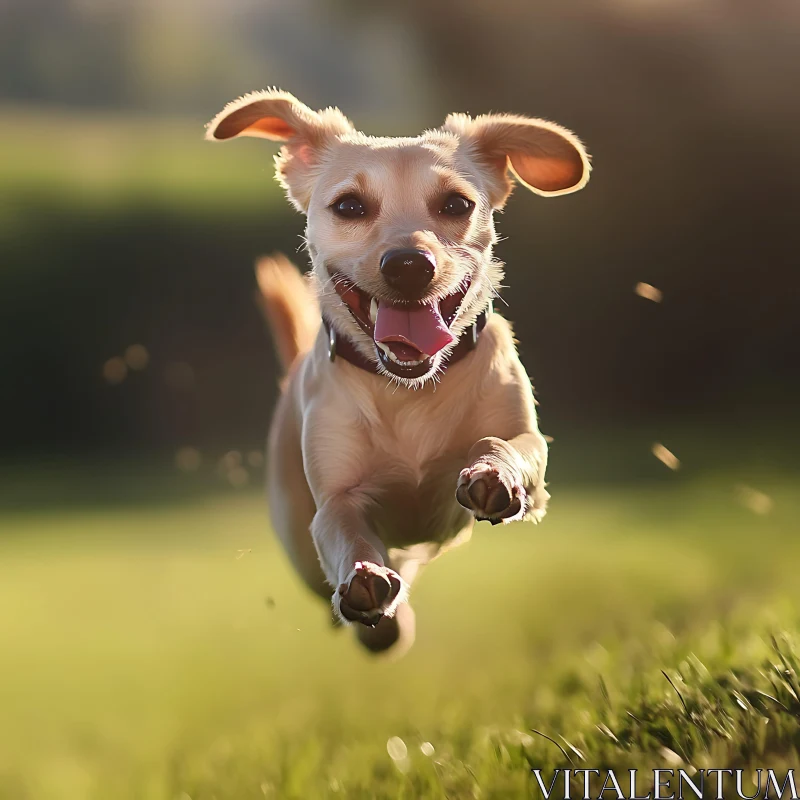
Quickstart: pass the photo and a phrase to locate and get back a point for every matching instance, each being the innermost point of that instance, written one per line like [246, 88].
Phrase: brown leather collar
[342, 347]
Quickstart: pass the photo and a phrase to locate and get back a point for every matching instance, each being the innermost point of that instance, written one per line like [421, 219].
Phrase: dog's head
[400, 230]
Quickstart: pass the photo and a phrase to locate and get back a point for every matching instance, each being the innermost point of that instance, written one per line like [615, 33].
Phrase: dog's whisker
[496, 293]
[502, 300]
[497, 296]
[327, 284]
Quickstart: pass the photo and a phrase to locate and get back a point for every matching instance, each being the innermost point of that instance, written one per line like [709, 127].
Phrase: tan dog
[407, 414]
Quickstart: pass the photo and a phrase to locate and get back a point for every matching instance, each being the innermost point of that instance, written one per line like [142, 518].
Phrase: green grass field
[167, 651]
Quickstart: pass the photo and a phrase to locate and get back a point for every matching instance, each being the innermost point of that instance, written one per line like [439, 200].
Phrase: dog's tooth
[392, 357]
[373, 311]
[385, 348]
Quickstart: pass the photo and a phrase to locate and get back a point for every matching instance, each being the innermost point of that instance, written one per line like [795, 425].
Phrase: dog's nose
[408, 271]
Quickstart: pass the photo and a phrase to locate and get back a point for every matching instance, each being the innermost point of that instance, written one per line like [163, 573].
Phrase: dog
[405, 413]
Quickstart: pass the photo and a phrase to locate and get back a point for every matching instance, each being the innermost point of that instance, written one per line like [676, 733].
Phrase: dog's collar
[342, 347]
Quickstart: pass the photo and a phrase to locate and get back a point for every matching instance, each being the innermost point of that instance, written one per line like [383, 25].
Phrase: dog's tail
[289, 305]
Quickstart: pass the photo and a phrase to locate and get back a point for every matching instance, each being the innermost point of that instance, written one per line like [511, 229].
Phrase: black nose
[408, 271]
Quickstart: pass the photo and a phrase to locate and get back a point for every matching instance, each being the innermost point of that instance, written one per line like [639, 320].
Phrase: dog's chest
[414, 476]
[415, 440]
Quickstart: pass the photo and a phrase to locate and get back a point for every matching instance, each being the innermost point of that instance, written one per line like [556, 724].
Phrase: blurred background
[120, 226]
[138, 377]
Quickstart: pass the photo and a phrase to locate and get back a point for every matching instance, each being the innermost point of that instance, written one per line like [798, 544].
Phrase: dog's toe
[370, 593]
[496, 499]
[478, 491]
[489, 495]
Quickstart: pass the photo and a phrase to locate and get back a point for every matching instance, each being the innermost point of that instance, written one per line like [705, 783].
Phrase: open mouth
[407, 336]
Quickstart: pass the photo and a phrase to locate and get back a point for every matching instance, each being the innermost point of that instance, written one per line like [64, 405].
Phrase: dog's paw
[369, 593]
[491, 494]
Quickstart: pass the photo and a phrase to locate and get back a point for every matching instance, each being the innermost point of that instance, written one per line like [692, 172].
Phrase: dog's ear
[543, 156]
[279, 116]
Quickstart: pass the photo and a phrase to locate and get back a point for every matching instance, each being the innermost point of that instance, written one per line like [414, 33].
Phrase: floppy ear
[543, 156]
[277, 115]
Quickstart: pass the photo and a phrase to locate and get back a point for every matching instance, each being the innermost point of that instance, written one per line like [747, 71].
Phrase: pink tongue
[422, 327]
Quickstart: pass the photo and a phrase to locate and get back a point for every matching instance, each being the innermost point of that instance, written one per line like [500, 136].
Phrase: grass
[166, 651]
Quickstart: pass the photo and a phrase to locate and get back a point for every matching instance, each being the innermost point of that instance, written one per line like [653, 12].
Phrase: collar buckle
[331, 344]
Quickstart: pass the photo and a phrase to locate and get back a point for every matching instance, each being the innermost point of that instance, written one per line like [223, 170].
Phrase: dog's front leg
[504, 480]
[355, 561]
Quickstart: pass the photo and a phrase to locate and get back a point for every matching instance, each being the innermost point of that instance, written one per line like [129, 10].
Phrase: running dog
[405, 414]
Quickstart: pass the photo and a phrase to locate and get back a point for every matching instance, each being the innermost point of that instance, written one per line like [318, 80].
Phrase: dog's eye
[457, 205]
[350, 207]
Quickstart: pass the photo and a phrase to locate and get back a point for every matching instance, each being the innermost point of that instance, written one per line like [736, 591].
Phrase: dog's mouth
[407, 336]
